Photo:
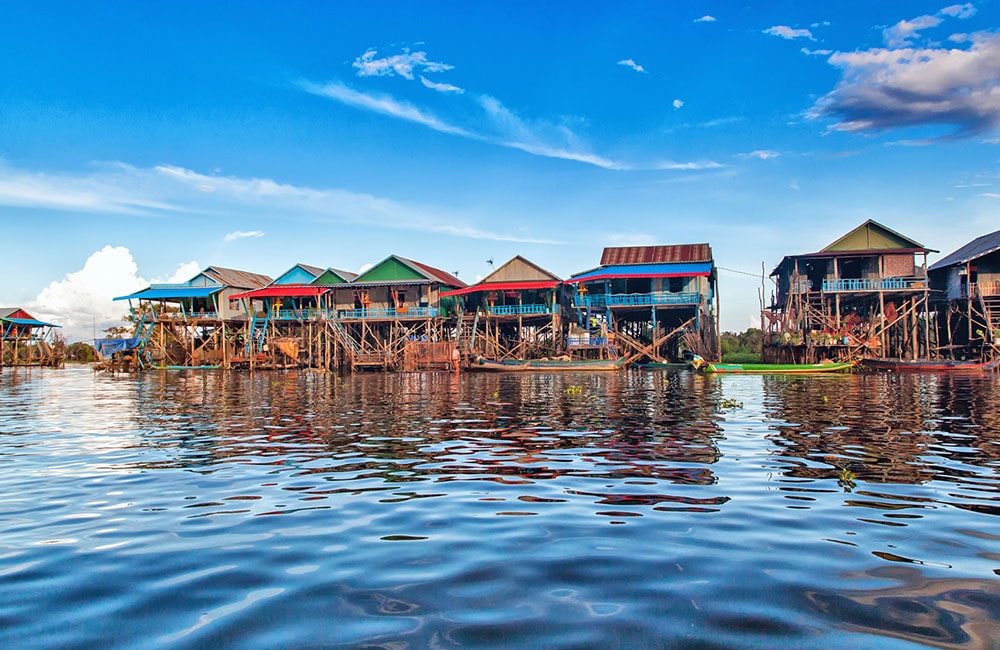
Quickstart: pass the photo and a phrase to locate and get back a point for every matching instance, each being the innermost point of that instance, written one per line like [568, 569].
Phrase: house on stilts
[966, 286]
[864, 295]
[393, 316]
[193, 323]
[648, 303]
[513, 313]
[286, 319]
[27, 341]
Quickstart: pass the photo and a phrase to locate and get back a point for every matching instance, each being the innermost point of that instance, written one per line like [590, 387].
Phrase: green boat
[769, 368]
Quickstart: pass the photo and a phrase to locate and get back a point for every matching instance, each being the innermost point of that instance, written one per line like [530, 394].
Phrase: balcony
[637, 299]
[520, 310]
[866, 284]
[388, 314]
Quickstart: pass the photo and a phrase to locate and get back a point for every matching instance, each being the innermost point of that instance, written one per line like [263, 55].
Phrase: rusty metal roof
[978, 247]
[433, 274]
[670, 254]
[237, 279]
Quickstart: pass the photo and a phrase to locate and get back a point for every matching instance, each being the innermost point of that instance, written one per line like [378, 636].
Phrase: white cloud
[761, 154]
[966, 10]
[677, 103]
[383, 105]
[794, 185]
[705, 19]
[809, 52]
[440, 87]
[886, 88]
[242, 234]
[629, 63]
[82, 302]
[788, 33]
[990, 195]
[402, 64]
[496, 125]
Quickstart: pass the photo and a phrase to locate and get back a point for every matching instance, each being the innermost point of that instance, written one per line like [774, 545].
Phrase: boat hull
[902, 365]
[775, 368]
[538, 365]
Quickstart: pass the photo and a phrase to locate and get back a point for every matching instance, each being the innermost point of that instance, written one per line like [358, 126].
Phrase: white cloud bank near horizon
[82, 302]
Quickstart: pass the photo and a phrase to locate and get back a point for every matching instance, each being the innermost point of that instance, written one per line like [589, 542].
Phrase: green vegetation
[743, 347]
[82, 352]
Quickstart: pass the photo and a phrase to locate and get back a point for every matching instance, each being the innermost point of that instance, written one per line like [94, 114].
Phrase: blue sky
[142, 141]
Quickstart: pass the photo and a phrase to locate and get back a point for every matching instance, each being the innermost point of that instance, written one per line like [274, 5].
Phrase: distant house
[864, 294]
[654, 301]
[25, 339]
[968, 284]
[205, 296]
[515, 310]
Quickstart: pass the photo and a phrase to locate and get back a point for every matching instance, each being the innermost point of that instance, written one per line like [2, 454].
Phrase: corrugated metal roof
[978, 247]
[656, 254]
[347, 276]
[31, 322]
[11, 314]
[283, 291]
[315, 270]
[643, 271]
[236, 279]
[502, 286]
[433, 274]
[171, 293]
[519, 269]
[7, 311]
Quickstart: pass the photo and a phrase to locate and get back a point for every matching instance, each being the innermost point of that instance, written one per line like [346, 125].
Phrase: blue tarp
[171, 293]
[108, 347]
[645, 270]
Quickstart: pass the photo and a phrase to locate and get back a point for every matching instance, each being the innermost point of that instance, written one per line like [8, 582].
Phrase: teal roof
[171, 293]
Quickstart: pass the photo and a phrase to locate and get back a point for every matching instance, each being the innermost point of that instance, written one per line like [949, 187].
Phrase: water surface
[641, 509]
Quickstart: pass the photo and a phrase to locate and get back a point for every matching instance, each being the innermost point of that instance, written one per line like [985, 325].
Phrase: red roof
[283, 291]
[501, 286]
[656, 254]
[441, 276]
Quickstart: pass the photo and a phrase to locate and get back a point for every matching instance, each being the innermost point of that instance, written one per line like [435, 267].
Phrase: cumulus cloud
[242, 234]
[399, 64]
[677, 103]
[887, 88]
[705, 19]
[788, 33]
[82, 301]
[629, 63]
[902, 33]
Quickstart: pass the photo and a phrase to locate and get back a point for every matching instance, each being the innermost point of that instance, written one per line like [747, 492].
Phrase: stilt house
[966, 287]
[193, 323]
[648, 302]
[396, 301]
[866, 294]
[513, 313]
[26, 341]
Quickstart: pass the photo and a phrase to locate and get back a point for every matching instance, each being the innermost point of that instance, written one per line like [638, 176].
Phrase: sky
[141, 142]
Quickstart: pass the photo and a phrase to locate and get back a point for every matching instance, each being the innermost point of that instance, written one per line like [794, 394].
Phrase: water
[641, 509]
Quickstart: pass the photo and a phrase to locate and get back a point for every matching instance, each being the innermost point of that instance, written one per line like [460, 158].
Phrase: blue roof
[645, 271]
[168, 293]
[29, 321]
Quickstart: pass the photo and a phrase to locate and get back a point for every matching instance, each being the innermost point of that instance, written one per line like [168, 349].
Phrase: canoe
[769, 368]
[929, 365]
[545, 365]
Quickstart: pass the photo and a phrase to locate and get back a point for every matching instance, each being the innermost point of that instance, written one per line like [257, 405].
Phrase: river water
[640, 509]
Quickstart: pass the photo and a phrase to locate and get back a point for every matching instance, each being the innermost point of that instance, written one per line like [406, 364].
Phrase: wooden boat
[769, 368]
[545, 365]
[929, 365]
[663, 366]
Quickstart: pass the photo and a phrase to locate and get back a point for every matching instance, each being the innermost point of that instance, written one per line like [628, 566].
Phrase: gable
[328, 277]
[389, 269]
[298, 274]
[519, 269]
[872, 235]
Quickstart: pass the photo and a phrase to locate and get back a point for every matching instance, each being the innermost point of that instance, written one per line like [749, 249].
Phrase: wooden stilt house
[395, 302]
[26, 341]
[864, 295]
[194, 323]
[966, 286]
[513, 313]
[647, 302]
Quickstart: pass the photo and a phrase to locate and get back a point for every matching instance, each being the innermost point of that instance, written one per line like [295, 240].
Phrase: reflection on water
[428, 509]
